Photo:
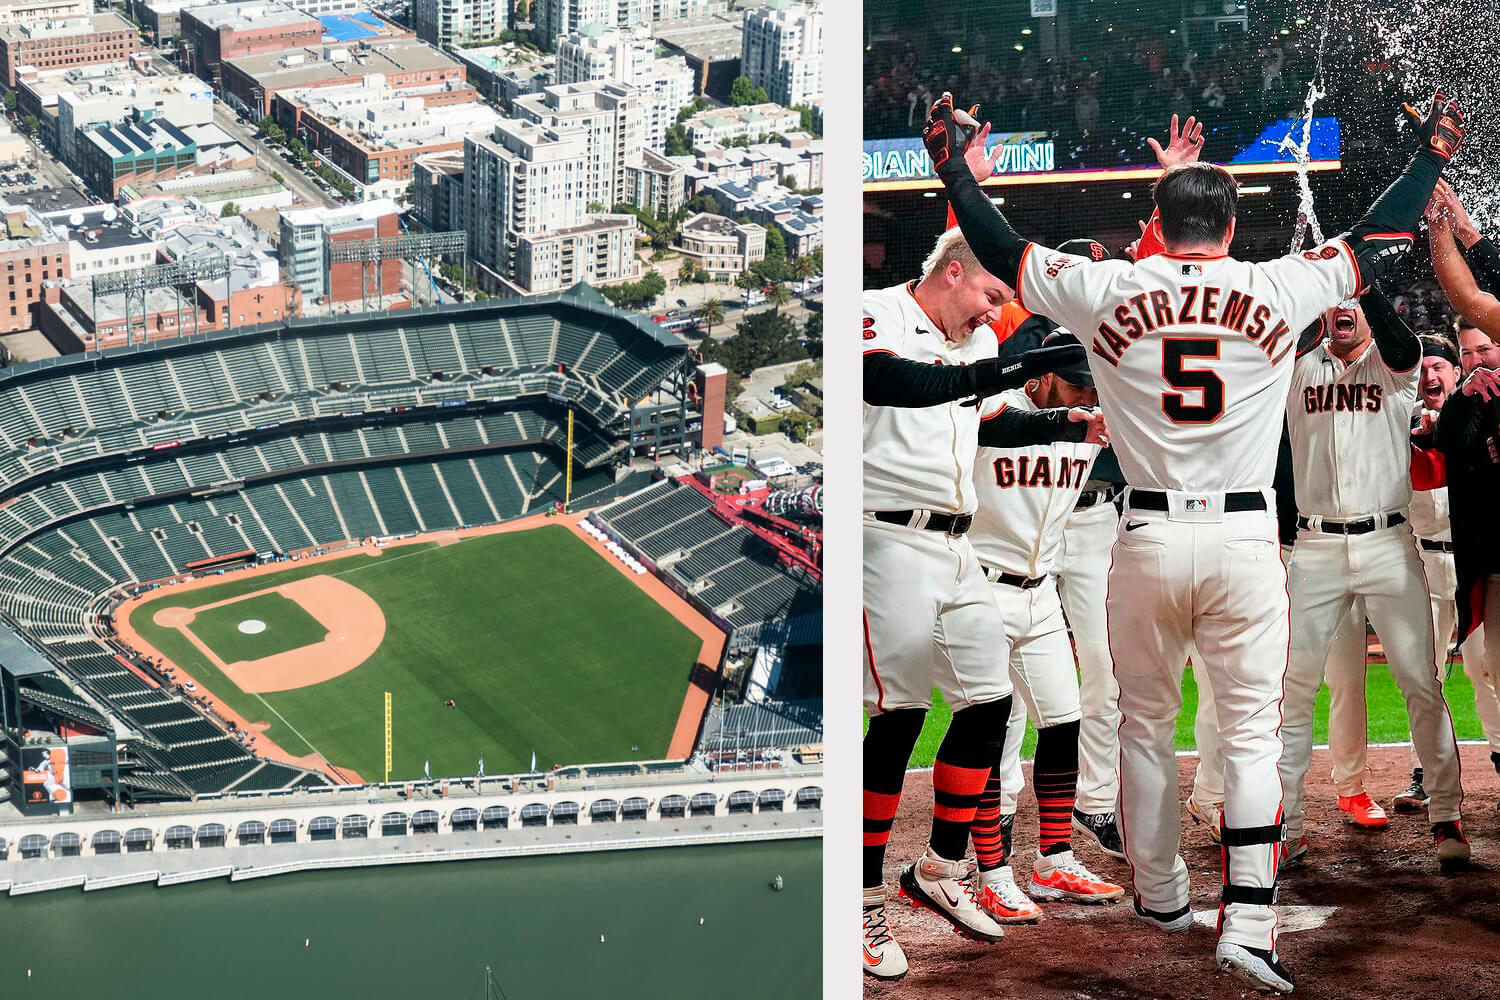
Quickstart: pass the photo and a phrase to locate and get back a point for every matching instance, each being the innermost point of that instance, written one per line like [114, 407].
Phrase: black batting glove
[1044, 360]
[948, 132]
[1441, 130]
[994, 375]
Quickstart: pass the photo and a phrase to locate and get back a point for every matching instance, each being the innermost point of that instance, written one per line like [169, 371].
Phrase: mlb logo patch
[1192, 270]
[1197, 504]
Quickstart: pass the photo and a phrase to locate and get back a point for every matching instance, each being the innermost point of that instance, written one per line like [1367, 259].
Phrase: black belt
[1363, 526]
[1014, 579]
[1093, 498]
[948, 524]
[1233, 502]
[1432, 546]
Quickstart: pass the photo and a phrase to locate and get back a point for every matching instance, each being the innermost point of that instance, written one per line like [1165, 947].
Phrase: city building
[32, 11]
[66, 101]
[437, 181]
[783, 51]
[597, 251]
[559, 17]
[373, 134]
[608, 115]
[252, 82]
[102, 240]
[756, 121]
[31, 254]
[656, 183]
[216, 32]
[246, 189]
[306, 235]
[711, 46]
[459, 22]
[162, 19]
[504, 72]
[764, 202]
[77, 41]
[795, 162]
[627, 56]
[721, 247]
[114, 156]
[13, 145]
[681, 10]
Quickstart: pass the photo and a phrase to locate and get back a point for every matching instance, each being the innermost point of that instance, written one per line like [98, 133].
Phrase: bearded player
[1192, 355]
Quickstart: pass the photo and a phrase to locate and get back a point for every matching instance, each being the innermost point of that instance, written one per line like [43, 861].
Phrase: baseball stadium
[309, 567]
[1300, 104]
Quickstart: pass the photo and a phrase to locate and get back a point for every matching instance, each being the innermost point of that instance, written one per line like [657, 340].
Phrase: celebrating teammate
[929, 618]
[1192, 354]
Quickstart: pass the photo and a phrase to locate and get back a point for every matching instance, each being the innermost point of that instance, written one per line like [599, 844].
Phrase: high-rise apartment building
[608, 116]
[627, 56]
[782, 51]
[459, 22]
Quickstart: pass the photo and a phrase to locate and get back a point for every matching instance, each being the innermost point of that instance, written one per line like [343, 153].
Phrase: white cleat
[883, 957]
[938, 885]
[1003, 900]
[1209, 814]
[1261, 969]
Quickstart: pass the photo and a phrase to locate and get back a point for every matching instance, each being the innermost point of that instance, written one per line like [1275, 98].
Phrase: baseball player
[1192, 355]
[929, 618]
[1025, 497]
[1350, 419]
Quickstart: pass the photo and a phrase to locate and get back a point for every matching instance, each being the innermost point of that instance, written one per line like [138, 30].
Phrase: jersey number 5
[1205, 383]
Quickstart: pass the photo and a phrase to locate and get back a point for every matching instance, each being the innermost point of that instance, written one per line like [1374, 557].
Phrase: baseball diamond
[490, 622]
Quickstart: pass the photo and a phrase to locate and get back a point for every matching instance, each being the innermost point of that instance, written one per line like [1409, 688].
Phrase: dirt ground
[1392, 924]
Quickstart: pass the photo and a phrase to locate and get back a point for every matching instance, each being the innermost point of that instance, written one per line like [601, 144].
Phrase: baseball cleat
[883, 957]
[1209, 814]
[936, 884]
[1293, 854]
[1415, 796]
[1452, 845]
[1173, 923]
[1363, 811]
[1003, 900]
[1260, 968]
[1495, 759]
[1102, 829]
[1062, 877]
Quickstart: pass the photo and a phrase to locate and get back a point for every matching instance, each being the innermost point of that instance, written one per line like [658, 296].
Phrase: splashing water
[1307, 216]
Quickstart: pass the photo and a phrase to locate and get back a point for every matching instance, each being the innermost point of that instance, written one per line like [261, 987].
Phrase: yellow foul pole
[387, 736]
[568, 488]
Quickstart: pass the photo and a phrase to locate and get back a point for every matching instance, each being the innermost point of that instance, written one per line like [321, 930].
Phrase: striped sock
[1055, 778]
[990, 844]
[970, 751]
[887, 749]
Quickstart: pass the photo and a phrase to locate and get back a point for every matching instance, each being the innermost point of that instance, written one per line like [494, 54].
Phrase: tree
[742, 92]
[766, 338]
[801, 268]
[275, 134]
[678, 143]
[779, 296]
[775, 244]
[813, 331]
[265, 125]
[747, 282]
[276, 176]
[31, 124]
[797, 425]
[523, 10]
[692, 109]
[229, 210]
[688, 271]
[809, 121]
[10, 100]
[712, 313]
[594, 207]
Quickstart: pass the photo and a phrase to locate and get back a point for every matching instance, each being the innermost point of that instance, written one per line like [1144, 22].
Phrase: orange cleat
[1003, 900]
[1363, 811]
[1062, 877]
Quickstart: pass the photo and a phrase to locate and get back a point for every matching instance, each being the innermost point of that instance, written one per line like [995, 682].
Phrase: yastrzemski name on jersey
[919, 458]
[1191, 355]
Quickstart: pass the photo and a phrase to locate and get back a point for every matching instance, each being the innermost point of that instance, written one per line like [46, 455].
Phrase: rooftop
[132, 139]
[66, 28]
[245, 16]
[367, 211]
[711, 39]
[97, 227]
[705, 222]
[306, 65]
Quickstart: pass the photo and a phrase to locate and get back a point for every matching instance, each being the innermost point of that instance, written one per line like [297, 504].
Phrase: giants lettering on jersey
[1028, 470]
[1344, 397]
[1202, 304]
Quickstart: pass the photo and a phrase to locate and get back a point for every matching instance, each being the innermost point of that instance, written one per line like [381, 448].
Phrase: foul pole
[387, 737]
[568, 485]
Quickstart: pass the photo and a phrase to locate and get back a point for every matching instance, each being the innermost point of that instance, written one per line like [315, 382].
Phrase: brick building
[307, 233]
[217, 32]
[55, 45]
[402, 64]
[31, 254]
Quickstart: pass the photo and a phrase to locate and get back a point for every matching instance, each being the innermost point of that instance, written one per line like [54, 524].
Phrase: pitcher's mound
[252, 626]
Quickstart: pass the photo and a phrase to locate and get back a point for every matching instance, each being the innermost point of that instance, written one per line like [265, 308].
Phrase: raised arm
[1384, 234]
[1398, 344]
[1483, 258]
[893, 381]
[1464, 294]
[1012, 428]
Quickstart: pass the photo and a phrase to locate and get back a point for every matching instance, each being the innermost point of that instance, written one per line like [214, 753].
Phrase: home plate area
[1366, 915]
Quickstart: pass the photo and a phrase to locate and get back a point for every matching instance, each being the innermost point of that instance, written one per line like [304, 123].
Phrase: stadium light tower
[176, 275]
[409, 247]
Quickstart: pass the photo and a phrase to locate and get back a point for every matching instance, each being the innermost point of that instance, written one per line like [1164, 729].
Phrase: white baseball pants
[1082, 573]
[930, 622]
[1442, 583]
[1041, 671]
[1348, 720]
[1214, 580]
[1327, 573]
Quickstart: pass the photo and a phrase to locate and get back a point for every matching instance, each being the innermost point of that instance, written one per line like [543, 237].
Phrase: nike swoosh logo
[950, 899]
[1131, 526]
[871, 958]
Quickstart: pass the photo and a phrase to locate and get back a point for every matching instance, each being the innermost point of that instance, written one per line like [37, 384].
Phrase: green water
[425, 932]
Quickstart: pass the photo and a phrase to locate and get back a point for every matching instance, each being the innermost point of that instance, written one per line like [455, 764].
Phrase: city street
[695, 295]
[299, 183]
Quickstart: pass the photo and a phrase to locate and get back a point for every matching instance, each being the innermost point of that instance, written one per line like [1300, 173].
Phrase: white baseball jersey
[1192, 356]
[1428, 512]
[919, 457]
[1026, 496]
[1350, 426]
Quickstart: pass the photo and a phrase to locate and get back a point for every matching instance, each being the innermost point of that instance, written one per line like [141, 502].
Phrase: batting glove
[948, 131]
[1442, 129]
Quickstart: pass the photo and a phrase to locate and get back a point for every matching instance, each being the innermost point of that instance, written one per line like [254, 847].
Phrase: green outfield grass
[287, 627]
[1387, 715]
[543, 645]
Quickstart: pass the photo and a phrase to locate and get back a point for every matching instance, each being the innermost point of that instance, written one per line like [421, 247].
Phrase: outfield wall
[347, 826]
